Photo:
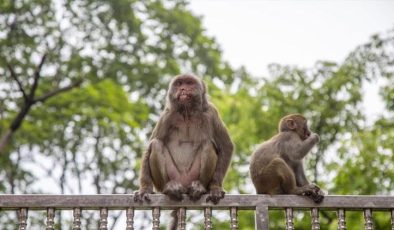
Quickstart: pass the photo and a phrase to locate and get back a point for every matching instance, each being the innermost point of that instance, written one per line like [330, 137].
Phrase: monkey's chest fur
[186, 141]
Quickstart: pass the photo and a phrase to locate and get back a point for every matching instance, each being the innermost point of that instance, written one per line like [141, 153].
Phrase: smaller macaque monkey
[276, 166]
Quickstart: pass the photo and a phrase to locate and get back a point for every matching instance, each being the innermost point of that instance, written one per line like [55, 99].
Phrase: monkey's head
[295, 123]
[187, 92]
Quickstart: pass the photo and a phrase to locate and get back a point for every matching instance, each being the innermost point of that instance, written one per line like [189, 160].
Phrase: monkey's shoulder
[276, 144]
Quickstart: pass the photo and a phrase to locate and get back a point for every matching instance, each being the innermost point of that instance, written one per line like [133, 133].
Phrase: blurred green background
[83, 82]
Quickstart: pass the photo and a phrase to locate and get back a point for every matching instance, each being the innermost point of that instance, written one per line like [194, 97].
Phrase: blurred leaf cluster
[89, 139]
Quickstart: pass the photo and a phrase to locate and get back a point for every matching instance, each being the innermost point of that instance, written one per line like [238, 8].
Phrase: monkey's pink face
[185, 89]
[305, 132]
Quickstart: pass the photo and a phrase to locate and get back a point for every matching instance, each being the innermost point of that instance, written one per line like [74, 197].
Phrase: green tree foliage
[105, 68]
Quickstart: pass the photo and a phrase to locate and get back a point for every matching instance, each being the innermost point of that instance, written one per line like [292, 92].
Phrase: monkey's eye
[178, 83]
[189, 82]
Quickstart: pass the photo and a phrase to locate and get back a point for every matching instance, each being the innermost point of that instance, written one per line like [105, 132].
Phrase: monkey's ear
[291, 124]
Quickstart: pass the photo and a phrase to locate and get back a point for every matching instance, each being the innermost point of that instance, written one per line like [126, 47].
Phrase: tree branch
[57, 91]
[37, 77]
[13, 75]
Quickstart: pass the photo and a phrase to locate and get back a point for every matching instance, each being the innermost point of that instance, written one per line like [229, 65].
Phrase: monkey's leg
[317, 195]
[288, 181]
[157, 162]
[165, 174]
[275, 178]
[277, 175]
[204, 167]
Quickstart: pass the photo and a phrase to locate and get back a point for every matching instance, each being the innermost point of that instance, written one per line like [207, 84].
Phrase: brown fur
[276, 166]
[190, 149]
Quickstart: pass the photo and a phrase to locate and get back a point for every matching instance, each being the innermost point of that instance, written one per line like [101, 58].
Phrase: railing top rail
[243, 202]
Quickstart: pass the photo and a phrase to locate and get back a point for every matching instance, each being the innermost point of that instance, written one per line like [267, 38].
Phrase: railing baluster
[130, 219]
[207, 221]
[315, 219]
[233, 218]
[181, 218]
[156, 218]
[22, 218]
[262, 217]
[289, 219]
[50, 218]
[341, 219]
[392, 219]
[368, 219]
[77, 219]
[103, 219]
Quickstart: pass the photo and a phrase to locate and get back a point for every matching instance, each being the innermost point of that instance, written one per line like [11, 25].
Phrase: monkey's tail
[174, 220]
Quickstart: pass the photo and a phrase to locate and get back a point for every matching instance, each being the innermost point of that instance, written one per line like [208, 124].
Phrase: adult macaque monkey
[189, 150]
[276, 166]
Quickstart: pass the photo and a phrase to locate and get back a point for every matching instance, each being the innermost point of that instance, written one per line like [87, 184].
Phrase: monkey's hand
[174, 190]
[196, 190]
[215, 194]
[142, 194]
[315, 137]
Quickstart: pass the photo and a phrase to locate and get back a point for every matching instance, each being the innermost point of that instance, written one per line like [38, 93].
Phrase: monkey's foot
[174, 190]
[141, 195]
[314, 192]
[215, 194]
[318, 195]
[196, 190]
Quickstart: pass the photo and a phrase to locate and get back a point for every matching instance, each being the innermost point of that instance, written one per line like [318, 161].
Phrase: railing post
[50, 218]
[341, 219]
[129, 218]
[289, 219]
[181, 218]
[156, 218]
[261, 217]
[207, 217]
[368, 219]
[77, 219]
[22, 218]
[103, 219]
[392, 219]
[315, 219]
[233, 218]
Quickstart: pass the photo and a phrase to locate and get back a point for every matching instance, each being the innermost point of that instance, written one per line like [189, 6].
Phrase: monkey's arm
[305, 146]
[146, 183]
[300, 175]
[225, 149]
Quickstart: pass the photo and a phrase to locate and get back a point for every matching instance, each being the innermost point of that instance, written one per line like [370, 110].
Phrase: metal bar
[289, 219]
[368, 219]
[207, 217]
[103, 224]
[244, 202]
[181, 218]
[77, 219]
[50, 219]
[130, 219]
[392, 219]
[261, 217]
[315, 219]
[156, 218]
[233, 218]
[341, 219]
[22, 218]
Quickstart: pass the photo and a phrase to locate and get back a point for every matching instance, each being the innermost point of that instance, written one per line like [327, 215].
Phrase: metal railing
[260, 203]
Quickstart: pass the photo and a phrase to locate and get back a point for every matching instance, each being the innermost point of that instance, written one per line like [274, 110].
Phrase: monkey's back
[263, 155]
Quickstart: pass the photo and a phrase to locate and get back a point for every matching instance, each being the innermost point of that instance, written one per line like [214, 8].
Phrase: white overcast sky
[255, 33]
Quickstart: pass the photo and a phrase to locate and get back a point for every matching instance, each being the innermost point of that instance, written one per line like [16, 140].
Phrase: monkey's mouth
[183, 96]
